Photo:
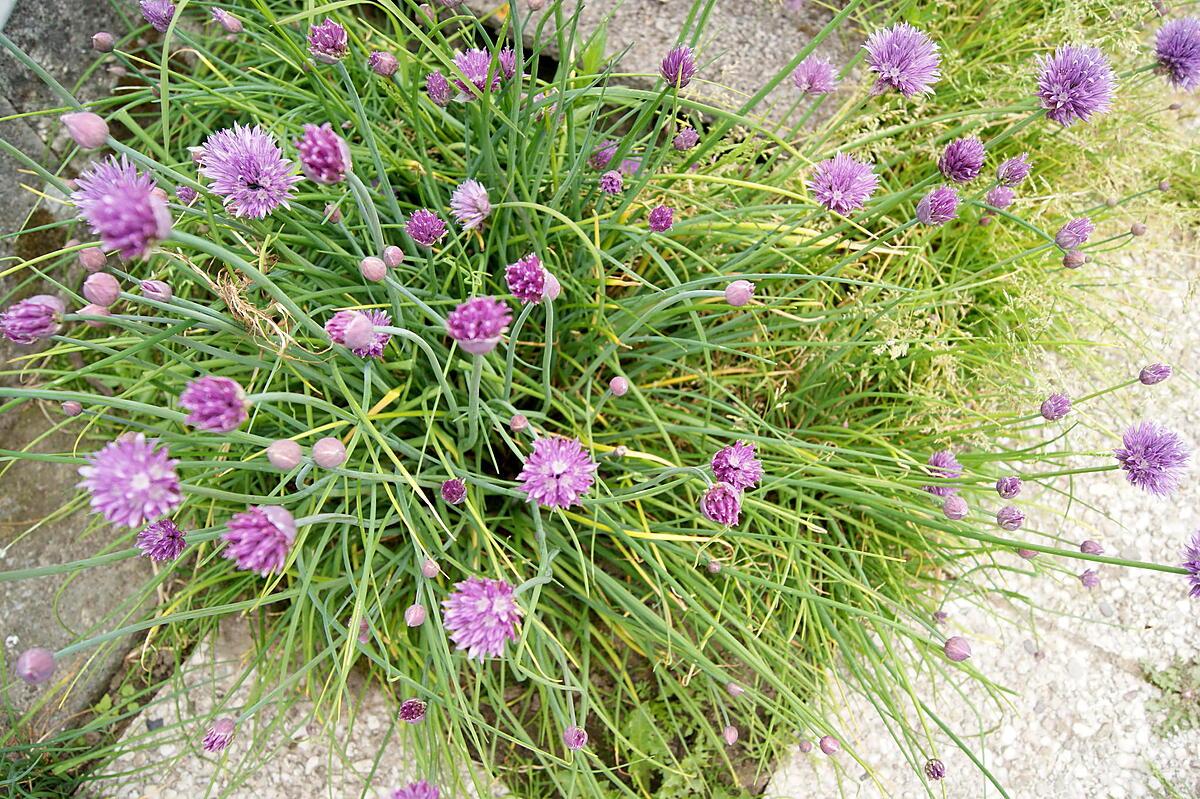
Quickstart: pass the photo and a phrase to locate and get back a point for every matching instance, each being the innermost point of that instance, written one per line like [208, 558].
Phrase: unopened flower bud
[372, 268]
[91, 309]
[830, 745]
[806, 746]
[619, 386]
[1154, 373]
[1074, 259]
[1137, 229]
[393, 256]
[72, 408]
[414, 615]
[89, 130]
[430, 568]
[730, 734]
[957, 648]
[329, 453]
[739, 292]
[333, 214]
[1164, 185]
[734, 689]
[1090, 579]
[714, 566]
[156, 290]
[35, 665]
[382, 63]
[518, 422]
[1091, 547]
[92, 259]
[954, 508]
[1027, 554]
[552, 287]
[101, 288]
[103, 42]
[284, 454]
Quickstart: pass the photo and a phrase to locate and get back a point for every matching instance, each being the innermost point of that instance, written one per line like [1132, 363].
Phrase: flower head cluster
[678, 66]
[1154, 373]
[999, 197]
[1177, 46]
[738, 466]
[527, 279]
[1013, 171]
[1010, 518]
[438, 88]
[575, 738]
[962, 160]
[1191, 562]
[722, 503]
[939, 206]
[470, 205]
[478, 324]
[214, 404]
[1075, 83]
[161, 540]
[1008, 487]
[260, 538]
[158, 13]
[557, 473]
[122, 207]
[131, 480]
[382, 63]
[480, 73]
[481, 615]
[612, 182]
[219, 735]
[602, 156]
[248, 170]
[32, 319]
[814, 76]
[1074, 233]
[324, 155]
[1153, 458]
[413, 710]
[416, 790]
[943, 464]
[425, 227]
[685, 139]
[340, 321]
[327, 41]
[661, 218]
[842, 184]
[903, 58]
[454, 490]
[1055, 407]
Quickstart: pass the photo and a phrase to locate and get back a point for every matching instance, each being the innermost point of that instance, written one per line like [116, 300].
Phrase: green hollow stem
[368, 135]
[362, 196]
[473, 395]
[434, 363]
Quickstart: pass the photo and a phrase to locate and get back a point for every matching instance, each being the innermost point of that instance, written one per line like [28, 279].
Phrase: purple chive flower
[476, 65]
[438, 88]
[32, 319]
[557, 472]
[678, 66]
[247, 168]
[478, 324]
[158, 13]
[1008, 487]
[260, 538]
[337, 324]
[575, 738]
[324, 155]
[957, 648]
[214, 404]
[1055, 407]
[382, 63]
[814, 76]
[481, 615]
[938, 206]
[904, 58]
[1074, 233]
[1090, 578]
[1153, 457]
[228, 21]
[829, 745]
[722, 503]
[219, 735]
[1090, 547]
[943, 464]
[1000, 197]
[1075, 83]
[1191, 562]
[1013, 171]
[685, 139]
[469, 204]
[35, 665]
[1154, 373]
[611, 182]
[935, 769]
[327, 41]
[1177, 46]
[962, 160]
[954, 508]
[413, 710]
[416, 790]
[121, 206]
[842, 184]
[1010, 518]
[425, 227]
[454, 490]
[661, 218]
[602, 156]
[186, 195]
[131, 480]
[739, 293]
[527, 279]
[161, 540]
[738, 466]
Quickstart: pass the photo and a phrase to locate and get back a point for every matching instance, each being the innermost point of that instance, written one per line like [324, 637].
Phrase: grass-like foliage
[871, 341]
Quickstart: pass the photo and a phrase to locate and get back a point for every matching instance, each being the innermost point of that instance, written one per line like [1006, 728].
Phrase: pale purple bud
[228, 21]
[1027, 554]
[89, 130]
[359, 332]
[940, 617]
[101, 288]
[382, 63]
[575, 737]
[103, 42]
[830, 745]
[619, 386]
[739, 292]
[957, 648]
[730, 734]
[1164, 185]
[430, 568]
[1154, 373]
[1090, 547]
[364, 631]
[518, 423]
[552, 288]
[35, 665]
[414, 615]
[93, 259]
[1010, 518]
[806, 746]
[72, 408]
[1008, 487]
[393, 256]
[1090, 579]
[91, 309]
[372, 268]
[954, 508]
[156, 290]
[284, 454]
[333, 213]
[734, 689]
[1074, 259]
[329, 453]
[714, 566]
[935, 769]
[1137, 229]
